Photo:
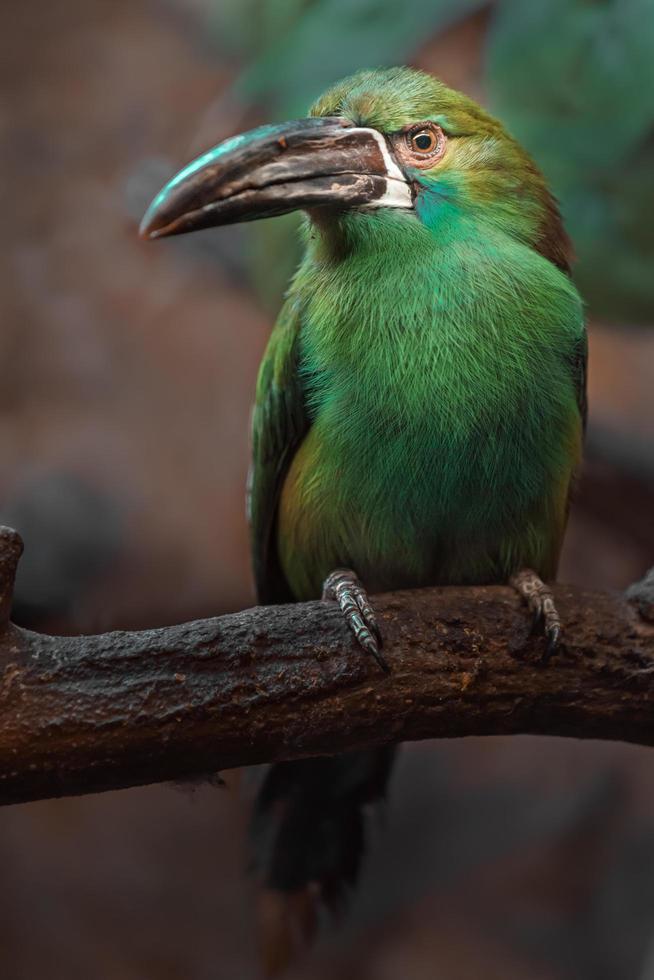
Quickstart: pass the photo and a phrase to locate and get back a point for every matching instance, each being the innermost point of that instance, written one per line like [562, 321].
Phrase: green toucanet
[420, 407]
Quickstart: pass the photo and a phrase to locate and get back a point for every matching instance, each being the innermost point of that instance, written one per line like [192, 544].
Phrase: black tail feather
[308, 838]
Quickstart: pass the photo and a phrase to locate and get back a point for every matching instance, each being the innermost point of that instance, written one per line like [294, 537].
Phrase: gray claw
[369, 617]
[370, 645]
[367, 636]
[344, 586]
[553, 635]
[540, 600]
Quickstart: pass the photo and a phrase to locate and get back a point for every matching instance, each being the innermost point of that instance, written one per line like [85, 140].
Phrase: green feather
[279, 425]
[423, 389]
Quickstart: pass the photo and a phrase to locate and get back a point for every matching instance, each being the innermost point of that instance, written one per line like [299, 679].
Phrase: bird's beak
[310, 163]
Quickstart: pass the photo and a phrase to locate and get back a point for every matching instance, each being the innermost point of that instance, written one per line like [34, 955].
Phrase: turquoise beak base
[299, 165]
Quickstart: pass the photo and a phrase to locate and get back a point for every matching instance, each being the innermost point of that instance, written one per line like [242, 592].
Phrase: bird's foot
[343, 586]
[540, 600]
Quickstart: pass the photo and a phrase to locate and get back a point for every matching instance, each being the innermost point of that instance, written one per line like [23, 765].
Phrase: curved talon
[540, 601]
[345, 588]
[553, 634]
[369, 616]
[369, 644]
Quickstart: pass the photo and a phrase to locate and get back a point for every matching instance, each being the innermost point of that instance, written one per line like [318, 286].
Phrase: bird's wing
[279, 424]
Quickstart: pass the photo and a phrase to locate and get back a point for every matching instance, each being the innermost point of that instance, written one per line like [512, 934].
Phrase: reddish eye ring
[424, 144]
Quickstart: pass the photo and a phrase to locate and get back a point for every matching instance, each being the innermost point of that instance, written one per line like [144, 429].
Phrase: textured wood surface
[90, 713]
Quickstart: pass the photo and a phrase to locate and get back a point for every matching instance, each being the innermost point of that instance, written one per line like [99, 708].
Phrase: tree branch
[90, 713]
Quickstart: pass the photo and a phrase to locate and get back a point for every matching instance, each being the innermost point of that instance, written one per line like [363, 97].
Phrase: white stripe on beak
[397, 193]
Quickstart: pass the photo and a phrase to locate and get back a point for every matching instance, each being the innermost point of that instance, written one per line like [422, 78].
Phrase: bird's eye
[421, 146]
[424, 141]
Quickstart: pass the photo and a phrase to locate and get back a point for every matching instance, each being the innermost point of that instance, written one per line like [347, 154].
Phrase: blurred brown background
[127, 372]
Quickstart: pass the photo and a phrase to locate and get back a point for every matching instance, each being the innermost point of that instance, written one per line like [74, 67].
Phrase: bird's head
[391, 139]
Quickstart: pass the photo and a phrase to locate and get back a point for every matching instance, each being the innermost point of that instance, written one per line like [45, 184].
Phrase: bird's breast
[434, 439]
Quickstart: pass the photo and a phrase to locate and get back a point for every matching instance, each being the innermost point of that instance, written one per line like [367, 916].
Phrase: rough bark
[90, 713]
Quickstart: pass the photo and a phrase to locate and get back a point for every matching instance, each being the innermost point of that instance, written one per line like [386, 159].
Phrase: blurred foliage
[73, 532]
[572, 79]
[250, 28]
[330, 39]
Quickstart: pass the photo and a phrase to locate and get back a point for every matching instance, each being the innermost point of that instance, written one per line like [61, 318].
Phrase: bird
[419, 410]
